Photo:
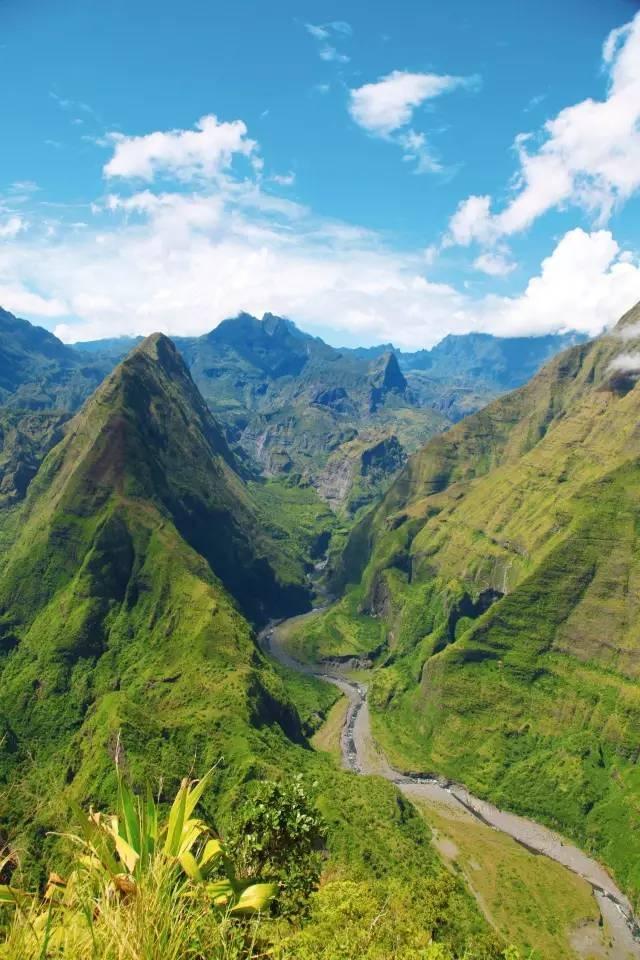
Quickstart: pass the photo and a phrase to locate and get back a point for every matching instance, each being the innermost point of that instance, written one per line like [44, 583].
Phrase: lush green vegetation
[124, 635]
[548, 912]
[340, 631]
[296, 519]
[496, 588]
[144, 886]
[504, 565]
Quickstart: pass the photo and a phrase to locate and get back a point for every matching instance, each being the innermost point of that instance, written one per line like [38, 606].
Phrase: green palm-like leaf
[255, 898]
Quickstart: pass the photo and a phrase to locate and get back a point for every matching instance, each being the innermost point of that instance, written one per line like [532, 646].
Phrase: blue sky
[375, 171]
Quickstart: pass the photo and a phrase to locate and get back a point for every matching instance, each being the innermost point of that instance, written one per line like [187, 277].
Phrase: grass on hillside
[338, 631]
[533, 901]
[297, 519]
[327, 737]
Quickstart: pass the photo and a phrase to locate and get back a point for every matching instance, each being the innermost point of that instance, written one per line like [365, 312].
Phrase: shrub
[277, 833]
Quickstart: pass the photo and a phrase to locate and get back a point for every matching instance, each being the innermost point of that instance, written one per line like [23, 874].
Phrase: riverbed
[361, 755]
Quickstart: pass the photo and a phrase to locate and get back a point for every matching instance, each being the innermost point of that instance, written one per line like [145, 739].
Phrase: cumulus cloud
[181, 263]
[389, 103]
[184, 154]
[585, 284]
[470, 222]
[20, 300]
[588, 155]
[181, 260]
[386, 108]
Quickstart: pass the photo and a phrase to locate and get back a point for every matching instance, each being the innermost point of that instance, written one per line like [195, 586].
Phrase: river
[361, 755]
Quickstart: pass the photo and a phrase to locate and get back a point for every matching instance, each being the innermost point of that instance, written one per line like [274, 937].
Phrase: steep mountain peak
[162, 350]
[274, 346]
[146, 447]
[387, 379]
[388, 373]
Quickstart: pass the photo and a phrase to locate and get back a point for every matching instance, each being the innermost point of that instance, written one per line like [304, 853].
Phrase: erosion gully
[361, 755]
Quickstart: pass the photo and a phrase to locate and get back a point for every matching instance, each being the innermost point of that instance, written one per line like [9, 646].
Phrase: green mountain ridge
[125, 587]
[138, 544]
[503, 562]
[293, 405]
[38, 372]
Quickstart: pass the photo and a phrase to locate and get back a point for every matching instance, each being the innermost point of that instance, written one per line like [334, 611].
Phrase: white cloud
[585, 284]
[327, 34]
[284, 179]
[388, 104]
[184, 154]
[630, 331]
[471, 221]
[316, 31]
[587, 156]
[182, 261]
[494, 264]
[386, 108]
[11, 228]
[16, 298]
[416, 149]
[626, 362]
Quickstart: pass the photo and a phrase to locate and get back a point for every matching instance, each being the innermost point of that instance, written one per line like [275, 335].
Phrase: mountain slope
[121, 597]
[122, 635]
[504, 562]
[38, 372]
[293, 404]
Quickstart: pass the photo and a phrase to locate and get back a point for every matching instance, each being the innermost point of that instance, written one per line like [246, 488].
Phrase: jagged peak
[387, 373]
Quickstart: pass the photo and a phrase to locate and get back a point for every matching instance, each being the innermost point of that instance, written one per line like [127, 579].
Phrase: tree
[279, 834]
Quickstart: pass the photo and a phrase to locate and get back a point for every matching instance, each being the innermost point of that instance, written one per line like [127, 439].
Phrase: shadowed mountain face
[505, 561]
[38, 372]
[125, 586]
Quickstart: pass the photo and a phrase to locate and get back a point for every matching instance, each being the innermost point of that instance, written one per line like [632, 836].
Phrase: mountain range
[291, 406]
[133, 575]
[489, 579]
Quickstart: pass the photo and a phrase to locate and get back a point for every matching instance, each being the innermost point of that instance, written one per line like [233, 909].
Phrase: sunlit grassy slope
[504, 563]
[123, 593]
